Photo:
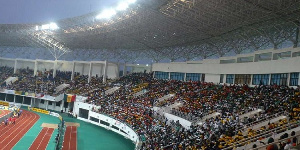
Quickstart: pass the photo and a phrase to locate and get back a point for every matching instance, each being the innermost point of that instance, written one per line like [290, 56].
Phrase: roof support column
[35, 67]
[73, 69]
[105, 71]
[90, 73]
[117, 70]
[54, 68]
[15, 67]
[125, 70]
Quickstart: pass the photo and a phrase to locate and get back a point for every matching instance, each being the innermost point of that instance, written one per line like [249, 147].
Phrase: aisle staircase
[111, 90]
[11, 80]
[61, 87]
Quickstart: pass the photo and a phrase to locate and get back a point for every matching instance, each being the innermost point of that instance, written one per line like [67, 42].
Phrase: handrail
[256, 137]
[262, 120]
[277, 142]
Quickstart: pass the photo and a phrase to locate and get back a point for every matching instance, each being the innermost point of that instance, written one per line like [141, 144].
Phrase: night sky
[39, 11]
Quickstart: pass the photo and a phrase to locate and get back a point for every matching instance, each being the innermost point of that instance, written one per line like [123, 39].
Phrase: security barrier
[41, 111]
[4, 103]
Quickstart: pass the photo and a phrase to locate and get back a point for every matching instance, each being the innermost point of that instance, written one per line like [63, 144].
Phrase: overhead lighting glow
[131, 1]
[53, 26]
[122, 6]
[106, 14]
[50, 26]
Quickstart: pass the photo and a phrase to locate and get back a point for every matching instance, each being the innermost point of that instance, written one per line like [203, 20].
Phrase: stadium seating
[222, 116]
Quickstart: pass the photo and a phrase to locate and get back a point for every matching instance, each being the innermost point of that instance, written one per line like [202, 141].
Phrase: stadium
[150, 75]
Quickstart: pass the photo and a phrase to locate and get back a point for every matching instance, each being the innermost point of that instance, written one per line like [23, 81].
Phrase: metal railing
[263, 147]
[267, 133]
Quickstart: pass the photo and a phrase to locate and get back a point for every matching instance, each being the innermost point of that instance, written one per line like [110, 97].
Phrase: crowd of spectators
[197, 100]
[5, 72]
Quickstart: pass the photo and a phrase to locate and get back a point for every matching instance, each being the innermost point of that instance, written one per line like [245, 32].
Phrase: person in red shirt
[14, 120]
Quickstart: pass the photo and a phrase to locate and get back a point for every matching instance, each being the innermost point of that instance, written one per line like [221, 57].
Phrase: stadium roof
[170, 29]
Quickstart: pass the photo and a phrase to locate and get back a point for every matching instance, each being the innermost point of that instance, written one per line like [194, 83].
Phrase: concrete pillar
[61, 105]
[82, 72]
[251, 80]
[101, 70]
[31, 103]
[23, 100]
[35, 67]
[125, 70]
[184, 79]
[151, 68]
[15, 67]
[54, 68]
[270, 79]
[46, 104]
[90, 72]
[14, 98]
[105, 71]
[117, 71]
[288, 79]
[73, 71]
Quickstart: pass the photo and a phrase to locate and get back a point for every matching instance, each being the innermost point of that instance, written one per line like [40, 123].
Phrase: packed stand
[199, 99]
[5, 73]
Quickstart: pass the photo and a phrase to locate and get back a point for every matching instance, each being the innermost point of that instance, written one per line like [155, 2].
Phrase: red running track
[70, 138]
[4, 112]
[12, 133]
[42, 139]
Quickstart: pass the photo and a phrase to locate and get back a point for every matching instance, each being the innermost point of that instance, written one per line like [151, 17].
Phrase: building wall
[212, 69]
[8, 63]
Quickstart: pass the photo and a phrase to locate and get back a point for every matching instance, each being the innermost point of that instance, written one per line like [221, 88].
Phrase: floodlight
[131, 1]
[122, 6]
[106, 14]
[36, 28]
[53, 26]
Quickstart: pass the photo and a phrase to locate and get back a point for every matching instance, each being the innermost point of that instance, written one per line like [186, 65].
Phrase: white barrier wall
[97, 69]
[65, 66]
[42, 66]
[215, 78]
[111, 71]
[7, 62]
[129, 133]
[24, 64]
[264, 67]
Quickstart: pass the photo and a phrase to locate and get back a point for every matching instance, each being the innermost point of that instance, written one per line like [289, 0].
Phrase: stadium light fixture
[122, 6]
[53, 26]
[50, 26]
[106, 14]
